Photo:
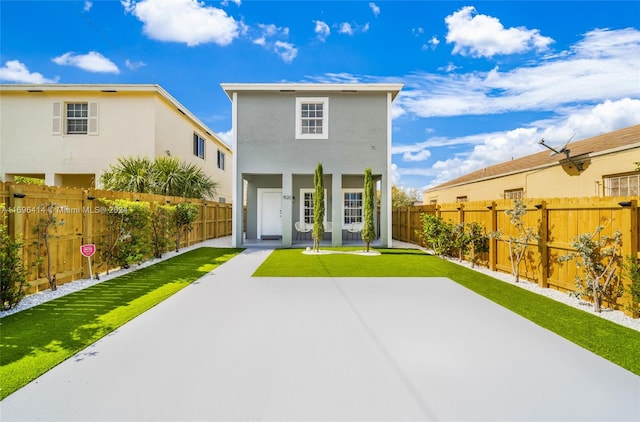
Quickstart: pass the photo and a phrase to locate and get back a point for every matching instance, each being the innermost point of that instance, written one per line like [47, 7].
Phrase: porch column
[385, 212]
[336, 209]
[287, 209]
[237, 212]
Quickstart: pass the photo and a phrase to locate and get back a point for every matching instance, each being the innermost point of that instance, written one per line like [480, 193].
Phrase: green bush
[632, 267]
[163, 228]
[12, 272]
[129, 238]
[437, 235]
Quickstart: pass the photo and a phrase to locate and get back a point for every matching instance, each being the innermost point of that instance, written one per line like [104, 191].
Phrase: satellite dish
[555, 151]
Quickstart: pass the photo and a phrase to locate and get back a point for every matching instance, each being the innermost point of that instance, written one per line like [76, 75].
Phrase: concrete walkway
[235, 348]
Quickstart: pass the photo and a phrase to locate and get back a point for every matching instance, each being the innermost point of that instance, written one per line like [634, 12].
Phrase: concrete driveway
[235, 348]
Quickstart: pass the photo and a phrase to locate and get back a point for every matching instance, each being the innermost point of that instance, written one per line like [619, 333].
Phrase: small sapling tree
[12, 272]
[597, 257]
[318, 207]
[519, 242]
[632, 267]
[45, 230]
[162, 228]
[185, 215]
[369, 228]
[479, 241]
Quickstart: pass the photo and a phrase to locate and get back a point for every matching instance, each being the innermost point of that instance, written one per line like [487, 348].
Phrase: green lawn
[616, 343]
[37, 339]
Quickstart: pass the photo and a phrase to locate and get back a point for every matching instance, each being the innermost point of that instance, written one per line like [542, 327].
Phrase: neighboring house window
[622, 185]
[433, 202]
[220, 160]
[198, 146]
[75, 118]
[352, 207]
[306, 205]
[312, 118]
[514, 194]
[222, 200]
[461, 198]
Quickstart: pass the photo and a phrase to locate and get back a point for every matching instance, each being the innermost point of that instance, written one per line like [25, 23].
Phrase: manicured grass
[616, 343]
[37, 339]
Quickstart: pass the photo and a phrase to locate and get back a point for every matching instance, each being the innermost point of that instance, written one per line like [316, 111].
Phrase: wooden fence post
[542, 243]
[630, 243]
[493, 242]
[408, 238]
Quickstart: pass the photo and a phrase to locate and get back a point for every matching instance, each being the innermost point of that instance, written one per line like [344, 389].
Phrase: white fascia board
[230, 88]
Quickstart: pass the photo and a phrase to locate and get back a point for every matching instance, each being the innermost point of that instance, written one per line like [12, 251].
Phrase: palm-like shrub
[163, 176]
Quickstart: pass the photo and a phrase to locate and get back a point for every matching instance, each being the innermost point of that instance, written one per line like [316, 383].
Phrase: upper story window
[75, 118]
[220, 160]
[514, 193]
[622, 185]
[312, 118]
[198, 146]
[462, 198]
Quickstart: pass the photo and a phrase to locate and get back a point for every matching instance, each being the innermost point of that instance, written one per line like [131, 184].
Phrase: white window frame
[61, 118]
[198, 146]
[302, 207]
[342, 217]
[325, 117]
[517, 193]
[632, 181]
[221, 160]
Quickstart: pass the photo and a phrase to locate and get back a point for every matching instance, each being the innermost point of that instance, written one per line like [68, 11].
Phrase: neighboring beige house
[68, 134]
[598, 166]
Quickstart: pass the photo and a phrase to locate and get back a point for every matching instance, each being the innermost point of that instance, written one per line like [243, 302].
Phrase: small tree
[185, 215]
[45, 229]
[162, 228]
[632, 267]
[129, 238]
[369, 227]
[598, 259]
[479, 241]
[12, 272]
[436, 234]
[318, 207]
[519, 243]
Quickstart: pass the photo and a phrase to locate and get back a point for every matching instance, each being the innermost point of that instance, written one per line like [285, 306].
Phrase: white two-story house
[282, 131]
[69, 134]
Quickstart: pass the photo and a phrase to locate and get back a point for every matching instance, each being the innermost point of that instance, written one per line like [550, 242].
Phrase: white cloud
[265, 38]
[345, 28]
[492, 148]
[131, 65]
[322, 30]
[604, 65]
[87, 6]
[375, 9]
[226, 137]
[225, 3]
[91, 62]
[15, 71]
[286, 51]
[420, 155]
[484, 36]
[184, 21]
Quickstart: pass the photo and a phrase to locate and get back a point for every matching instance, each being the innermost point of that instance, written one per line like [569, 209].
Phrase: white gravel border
[617, 317]
[76, 285]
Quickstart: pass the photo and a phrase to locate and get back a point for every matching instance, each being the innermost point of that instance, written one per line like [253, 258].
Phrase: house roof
[230, 88]
[113, 88]
[619, 140]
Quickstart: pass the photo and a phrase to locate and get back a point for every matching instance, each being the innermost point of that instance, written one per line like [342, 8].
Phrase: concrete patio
[233, 347]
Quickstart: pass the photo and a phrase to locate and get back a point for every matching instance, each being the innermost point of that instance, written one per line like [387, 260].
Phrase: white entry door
[269, 213]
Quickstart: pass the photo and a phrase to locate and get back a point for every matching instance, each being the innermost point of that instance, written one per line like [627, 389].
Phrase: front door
[270, 213]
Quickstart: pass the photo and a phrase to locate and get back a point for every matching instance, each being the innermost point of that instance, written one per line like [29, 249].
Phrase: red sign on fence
[88, 250]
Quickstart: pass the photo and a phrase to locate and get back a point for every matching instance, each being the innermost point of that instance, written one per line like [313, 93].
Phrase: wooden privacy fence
[85, 221]
[558, 221]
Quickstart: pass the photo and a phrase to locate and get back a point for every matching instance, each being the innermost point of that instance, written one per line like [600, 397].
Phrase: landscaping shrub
[129, 238]
[12, 272]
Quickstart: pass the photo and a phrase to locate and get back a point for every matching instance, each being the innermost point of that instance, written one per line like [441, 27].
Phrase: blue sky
[484, 81]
